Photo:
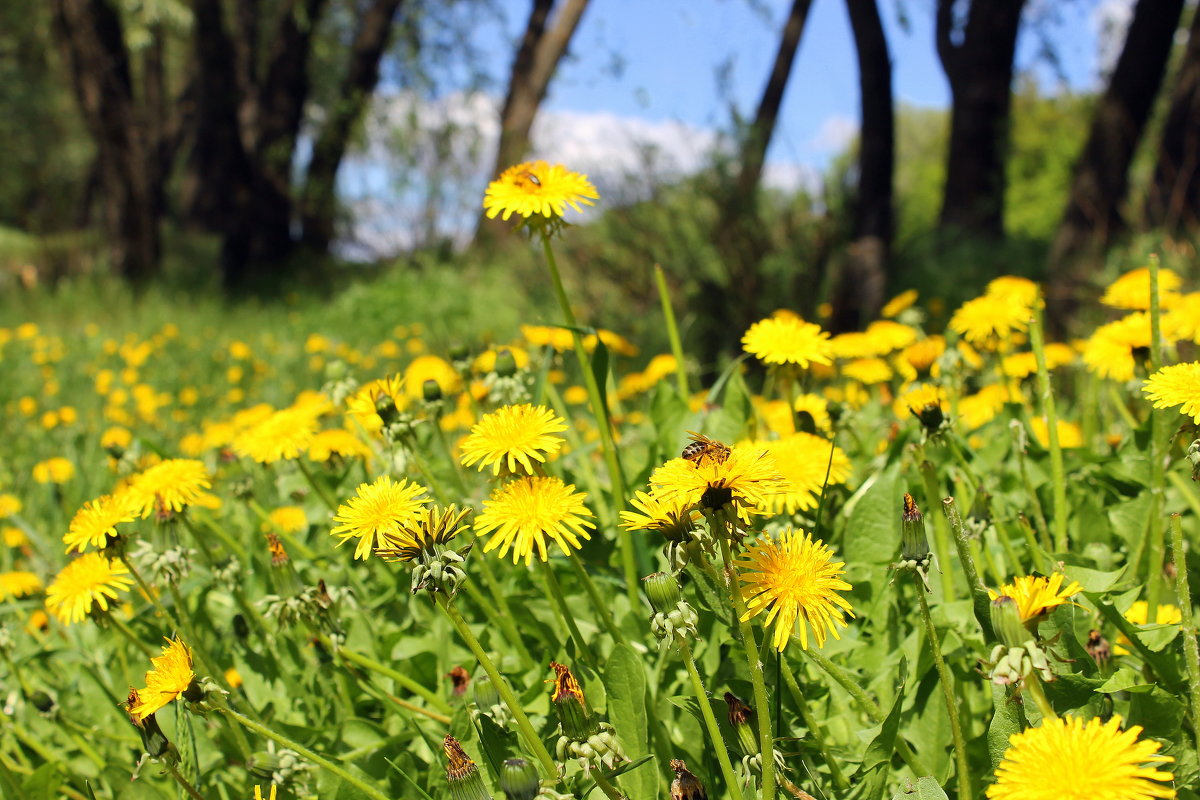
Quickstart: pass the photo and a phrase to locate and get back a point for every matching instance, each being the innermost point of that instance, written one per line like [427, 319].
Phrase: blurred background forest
[315, 151]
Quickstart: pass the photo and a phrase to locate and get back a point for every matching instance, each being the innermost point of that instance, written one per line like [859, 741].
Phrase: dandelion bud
[835, 410]
[686, 786]
[263, 764]
[914, 545]
[431, 391]
[485, 692]
[573, 713]
[465, 780]
[241, 629]
[662, 589]
[43, 702]
[1098, 648]
[506, 364]
[459, 352]
[741, 719]
[804, 424]
[1006, 622]
[519, 780]
[1193, 455]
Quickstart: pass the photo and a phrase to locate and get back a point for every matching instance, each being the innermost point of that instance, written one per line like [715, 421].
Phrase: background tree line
[128, 121]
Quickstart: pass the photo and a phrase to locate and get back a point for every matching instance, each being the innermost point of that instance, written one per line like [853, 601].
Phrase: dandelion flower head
[170, 677]
[748, 479]
[511, 438]
[378, 511]
[522, 514]
[1036, 595]
[803, 460]
[795, 581]
[990, 319]
[1073, 759]
[89, 580]
[537, 188]
[97, 520]
[1132, 290]
[1176, 385]
[172, 485]
[18, 584]
[788, 340]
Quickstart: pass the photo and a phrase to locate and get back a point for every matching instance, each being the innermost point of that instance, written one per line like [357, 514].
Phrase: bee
[529, 176]
[702, 447]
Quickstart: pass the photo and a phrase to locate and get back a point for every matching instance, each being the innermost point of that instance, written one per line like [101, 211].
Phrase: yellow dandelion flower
[14, 536]
[97, 520]
[868, 371]
[18, 584]
[430, 368]
[672, 518]
[56, 470]
[920, 399]
[1073, 759]
[899, 303]
[1036, 595]
[1176, 385]
[537, 188]
[854, 344]
[172, 485]
[382, 396]
[978, 409]
[233, 678]
[802, 460]
[1132, 290]
[817, 409]
[378, 510]
[284, 435]
[888, 336]
[286, 519]
[788, 340]
[511, 438]
[795, 580]
[1114, 350]
[10, 505]
[1070, 435]
[748, 479]
[1139, 614]
[337, 441]
[434, 529]
[485, 362]
[990, 318]
[116, 438]
[1019, 290]
[1183, 320]
[523, 513]
[89, 579]
[170, 677]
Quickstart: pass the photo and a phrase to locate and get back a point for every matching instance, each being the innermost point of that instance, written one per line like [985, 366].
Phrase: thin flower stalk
[1039, 515]
[183, 782]
[1158, 434]
[1050, 412]
[505, 617]
[814, 727]
[1032, 685]
[750, 647]
[600, 411]
[710, 721]
[866, 704]
[367, 789]
[598, 603]
[504, 620]
[1191, 649]
[320, 491]
[532, 741]
[610, 791]
[660, 280]
[962, 766]
[980, 601]
[560, 603]
[366, 662]
[941, 536]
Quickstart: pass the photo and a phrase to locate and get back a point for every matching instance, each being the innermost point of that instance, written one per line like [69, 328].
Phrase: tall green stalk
[941, 545]
[1049, 411]
[600, 410]
[962, 766]
[672, 331]
[1155, 542]
[710, 722]
[1191, 650]
[524, 726]
[981, 602]
[814, 728]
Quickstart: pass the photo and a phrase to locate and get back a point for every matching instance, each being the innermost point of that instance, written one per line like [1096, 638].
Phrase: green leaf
[1125, 680]
[924, 789]
[625, 682]
[873, 530]
[1008, 718]
[1092, 580]
[879, 751]
[600, 371]
[406, 777]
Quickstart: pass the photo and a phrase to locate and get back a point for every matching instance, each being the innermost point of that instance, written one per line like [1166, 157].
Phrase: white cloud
[1109, 22]
[422, 170]
[835, 134]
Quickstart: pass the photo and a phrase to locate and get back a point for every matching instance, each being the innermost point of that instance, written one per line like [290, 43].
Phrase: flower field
[890, 563]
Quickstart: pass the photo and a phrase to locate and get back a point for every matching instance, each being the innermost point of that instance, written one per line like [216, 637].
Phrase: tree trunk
[1173, 201]
[533, 67]
[90, 36]
[978, 60]
[319, 203]
[858, 293]
[1101, 174]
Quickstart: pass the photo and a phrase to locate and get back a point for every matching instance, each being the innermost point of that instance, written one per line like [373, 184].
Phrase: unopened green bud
[574, 715]
[465, 781]
[519, 780]
[506, 364]
[662, 589]
[1006, 622]
[263, 764]
[42, 701]
[485, 692]
[459, 352]
[431, 390]
[741, 719]
[914, 544]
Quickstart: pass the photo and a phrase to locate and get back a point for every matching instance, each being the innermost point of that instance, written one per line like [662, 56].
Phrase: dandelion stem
[941, 545]
[598, 602]
[1191, 650]
[504, 620]
[980, 601]
[710, 721]
[249, 724]
[610, 791]
[868, 706]
[128, 634]
[183, 782]
[316, 487]
[504, 617]
[400, 678]
[766, 740]
[1046, 395]
[960, 746]
[560, 603]
[506, 693]
[1039, 515]
[1154, 566]
[600, 410]
[660, 280]
[1032, 684]
[1122, 410]
[814, 727]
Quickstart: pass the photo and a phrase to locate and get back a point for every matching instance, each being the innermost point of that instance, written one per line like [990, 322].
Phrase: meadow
[433, 550]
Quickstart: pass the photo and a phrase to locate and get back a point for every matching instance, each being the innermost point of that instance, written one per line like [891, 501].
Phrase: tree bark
[319, 202]
[977, 57]
[858, 294]
[90, 35]
[533, 67]
[1173, 201]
